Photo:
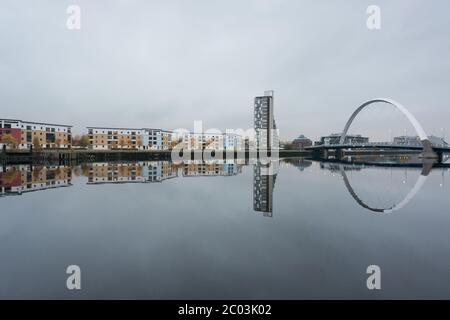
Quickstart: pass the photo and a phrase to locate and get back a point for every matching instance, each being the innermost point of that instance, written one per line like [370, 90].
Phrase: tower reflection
[263, 184]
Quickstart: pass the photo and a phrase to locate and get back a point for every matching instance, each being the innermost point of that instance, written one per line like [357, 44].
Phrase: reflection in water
[263, 184]
[18, 179]
[300, 163]
[402, 161]
[212, 168]
[171, 239]
[157, 171]
[420, 181]
[153, 171]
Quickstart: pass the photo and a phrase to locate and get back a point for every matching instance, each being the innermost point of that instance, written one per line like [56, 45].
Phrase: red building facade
[15, 133]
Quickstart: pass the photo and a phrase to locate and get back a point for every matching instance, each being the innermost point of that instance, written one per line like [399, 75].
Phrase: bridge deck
[374, 146]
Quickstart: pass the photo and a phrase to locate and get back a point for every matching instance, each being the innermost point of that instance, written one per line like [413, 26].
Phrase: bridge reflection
[406, 161]
[20, 179]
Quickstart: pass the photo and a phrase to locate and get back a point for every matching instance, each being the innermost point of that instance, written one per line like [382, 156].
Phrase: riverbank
[81, 155]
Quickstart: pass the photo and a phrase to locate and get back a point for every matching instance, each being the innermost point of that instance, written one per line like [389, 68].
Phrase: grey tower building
[264, 122]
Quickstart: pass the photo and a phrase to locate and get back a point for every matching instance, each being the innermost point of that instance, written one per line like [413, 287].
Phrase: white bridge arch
[427, 148]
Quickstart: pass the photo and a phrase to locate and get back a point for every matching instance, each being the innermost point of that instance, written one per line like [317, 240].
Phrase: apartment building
[212, 141]
[267, 137]
[104, 138]
[25, 134]
[233, 142]
[157, 139]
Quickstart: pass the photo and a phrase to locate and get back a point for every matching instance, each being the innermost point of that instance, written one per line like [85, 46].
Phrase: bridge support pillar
[428, 152]
[440, 155]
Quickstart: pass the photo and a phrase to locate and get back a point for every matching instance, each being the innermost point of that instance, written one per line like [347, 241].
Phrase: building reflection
[263, 185]
[18, 179]
[143, 172]
[156, 171]
[336, 167]
[300, 163]
[211, 168]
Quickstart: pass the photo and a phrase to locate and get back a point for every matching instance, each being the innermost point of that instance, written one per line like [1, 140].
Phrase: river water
[225, 230]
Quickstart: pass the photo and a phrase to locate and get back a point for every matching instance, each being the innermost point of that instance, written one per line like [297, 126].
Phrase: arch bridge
[428, 150]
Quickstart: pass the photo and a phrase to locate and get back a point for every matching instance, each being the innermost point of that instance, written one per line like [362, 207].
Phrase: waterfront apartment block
[18, 134]
[212, 141]
[264, 122]
[104, 138]
[19, 179]
[157, 139]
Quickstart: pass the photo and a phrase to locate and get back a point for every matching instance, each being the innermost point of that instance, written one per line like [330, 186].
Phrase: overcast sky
[167, 63]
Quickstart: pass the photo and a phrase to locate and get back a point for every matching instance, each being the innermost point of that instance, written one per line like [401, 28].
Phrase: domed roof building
[301, 142]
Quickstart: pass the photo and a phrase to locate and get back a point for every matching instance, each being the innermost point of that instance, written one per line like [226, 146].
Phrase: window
[50, 137]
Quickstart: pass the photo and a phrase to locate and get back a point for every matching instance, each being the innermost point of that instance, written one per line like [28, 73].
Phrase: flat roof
[211, 133]
[39, 123]
[134, 129]
[162, 130]
[114, 128]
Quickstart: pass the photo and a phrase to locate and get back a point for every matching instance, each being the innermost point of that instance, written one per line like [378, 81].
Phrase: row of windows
[133, 133]
[48, 129]
[47, 145]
